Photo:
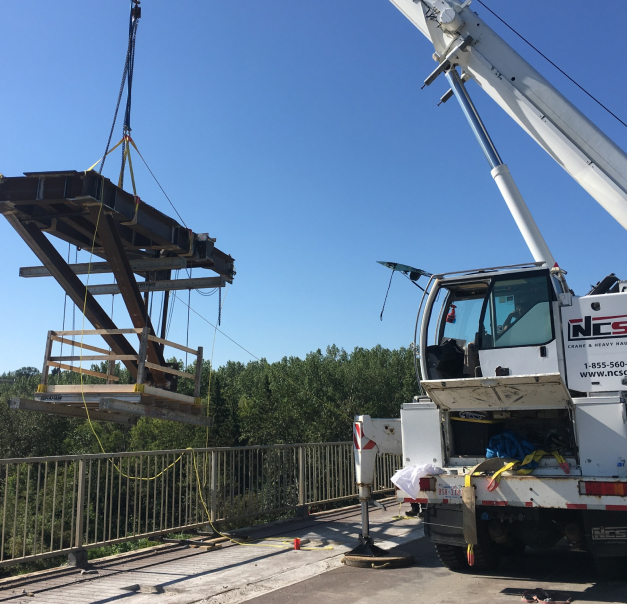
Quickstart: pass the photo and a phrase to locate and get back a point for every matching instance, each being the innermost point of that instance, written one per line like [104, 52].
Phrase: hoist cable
[552, 63]
[189, 301]
[213, 346]
[131, 47]
[126, 127]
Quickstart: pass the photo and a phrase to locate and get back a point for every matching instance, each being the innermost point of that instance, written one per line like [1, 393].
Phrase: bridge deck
[184, 575]
[181, 575]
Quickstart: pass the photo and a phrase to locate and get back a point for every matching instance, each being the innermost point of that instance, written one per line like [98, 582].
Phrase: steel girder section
[123, 272]
[73, 286]
[140, 266]
[58, 203]
[160, 285]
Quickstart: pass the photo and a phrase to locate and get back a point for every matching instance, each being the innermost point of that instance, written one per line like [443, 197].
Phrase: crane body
[520, 437]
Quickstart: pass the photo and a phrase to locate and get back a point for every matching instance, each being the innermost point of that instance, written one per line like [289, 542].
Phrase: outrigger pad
[368, 555]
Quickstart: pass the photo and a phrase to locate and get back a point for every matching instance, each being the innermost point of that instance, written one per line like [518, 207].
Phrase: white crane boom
[586, 153]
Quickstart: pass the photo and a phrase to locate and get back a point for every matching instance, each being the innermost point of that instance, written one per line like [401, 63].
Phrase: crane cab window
[453, 354]
[462, 319]
[518, 312]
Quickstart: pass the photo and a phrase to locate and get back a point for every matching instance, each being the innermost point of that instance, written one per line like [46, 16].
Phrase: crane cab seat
[450, 361]
[471, 358]
[446, 360]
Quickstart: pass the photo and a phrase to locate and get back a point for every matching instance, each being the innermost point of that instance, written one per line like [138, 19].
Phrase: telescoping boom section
[460, 37]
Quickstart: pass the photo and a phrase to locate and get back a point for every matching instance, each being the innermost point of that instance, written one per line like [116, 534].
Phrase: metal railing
[51, 506]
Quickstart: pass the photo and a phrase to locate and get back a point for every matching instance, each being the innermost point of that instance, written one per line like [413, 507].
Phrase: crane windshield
[518, 312]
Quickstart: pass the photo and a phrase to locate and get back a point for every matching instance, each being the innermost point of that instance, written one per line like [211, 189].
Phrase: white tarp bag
[408, 478]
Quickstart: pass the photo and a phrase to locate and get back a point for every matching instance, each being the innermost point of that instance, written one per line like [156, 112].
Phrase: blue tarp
[511, 445]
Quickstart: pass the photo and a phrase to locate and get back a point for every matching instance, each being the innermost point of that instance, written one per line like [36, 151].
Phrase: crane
[520, 437]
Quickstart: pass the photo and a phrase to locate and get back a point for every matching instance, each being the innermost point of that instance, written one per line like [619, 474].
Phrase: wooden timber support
[110, 404]
[143, 399]
[25, 404]
[73, 286]
[121, 267]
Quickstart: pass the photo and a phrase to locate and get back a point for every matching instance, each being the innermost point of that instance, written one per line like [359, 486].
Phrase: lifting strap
[533, 457]
[469, 517]
[127, 154]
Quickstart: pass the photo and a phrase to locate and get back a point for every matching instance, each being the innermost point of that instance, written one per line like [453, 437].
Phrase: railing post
[214, 486]
[141, 362]
[46, 367]
[198, 372]
[110, 368]
[302, 495]
[78, 557]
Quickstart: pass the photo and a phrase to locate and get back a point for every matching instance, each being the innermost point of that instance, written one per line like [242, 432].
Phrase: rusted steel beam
[123, 272]
[73, 286]
[58, 202]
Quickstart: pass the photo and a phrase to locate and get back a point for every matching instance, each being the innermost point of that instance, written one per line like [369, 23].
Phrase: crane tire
[487, 555]
[452, 557]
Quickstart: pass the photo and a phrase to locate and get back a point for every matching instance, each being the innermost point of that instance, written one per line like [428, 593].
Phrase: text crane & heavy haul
[523, 421]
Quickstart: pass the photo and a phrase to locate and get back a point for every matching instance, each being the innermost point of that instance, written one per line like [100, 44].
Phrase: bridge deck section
[178, 574]
[183, 575]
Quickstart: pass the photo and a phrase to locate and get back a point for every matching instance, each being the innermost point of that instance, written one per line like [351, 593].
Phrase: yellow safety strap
[127, 155]
[533, 456]
[110, 151]
[477, 421]
[496, 477]
[470, 550]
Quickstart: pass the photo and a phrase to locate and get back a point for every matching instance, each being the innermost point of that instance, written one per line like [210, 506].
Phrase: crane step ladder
[152, 395]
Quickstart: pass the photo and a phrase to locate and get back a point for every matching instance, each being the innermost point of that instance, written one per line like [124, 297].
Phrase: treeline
[294, 400]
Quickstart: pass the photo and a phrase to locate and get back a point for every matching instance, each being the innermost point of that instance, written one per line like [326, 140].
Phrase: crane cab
[485, 324]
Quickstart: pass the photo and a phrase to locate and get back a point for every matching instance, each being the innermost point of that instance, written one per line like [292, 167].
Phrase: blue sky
[297, 134]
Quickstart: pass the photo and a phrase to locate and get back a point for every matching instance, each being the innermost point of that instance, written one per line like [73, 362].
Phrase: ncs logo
[602, 533]
[597, 328]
